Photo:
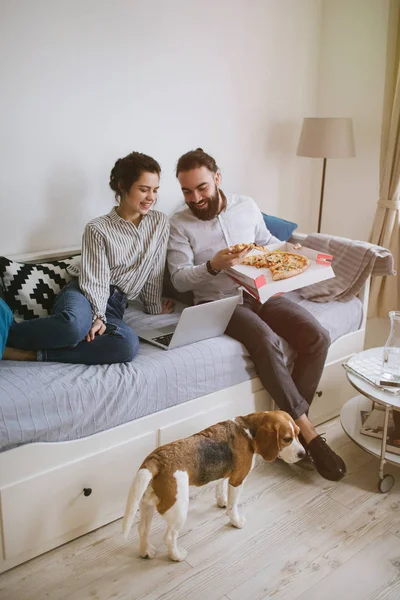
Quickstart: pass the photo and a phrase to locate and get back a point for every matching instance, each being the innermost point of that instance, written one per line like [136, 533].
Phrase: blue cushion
[6, 318]
[280, 228]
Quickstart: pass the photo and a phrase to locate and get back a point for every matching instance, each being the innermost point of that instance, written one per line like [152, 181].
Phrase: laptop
[196, 323]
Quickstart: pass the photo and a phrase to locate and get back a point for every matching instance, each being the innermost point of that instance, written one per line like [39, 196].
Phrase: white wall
[84, 82]
[351, 84]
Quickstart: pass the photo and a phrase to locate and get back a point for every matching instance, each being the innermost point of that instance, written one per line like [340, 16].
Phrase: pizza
[286, 264]
[260, 261]
[281, 264]
[252, 246]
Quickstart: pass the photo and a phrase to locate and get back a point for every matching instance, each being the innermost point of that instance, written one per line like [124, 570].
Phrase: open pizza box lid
[258, 282]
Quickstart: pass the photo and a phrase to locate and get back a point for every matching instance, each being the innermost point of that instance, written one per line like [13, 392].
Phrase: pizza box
[259, 283]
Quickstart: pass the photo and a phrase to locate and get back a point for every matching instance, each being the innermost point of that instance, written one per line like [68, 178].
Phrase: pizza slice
[239, 247]
[261, 248]
[251, 246]
[286, 264]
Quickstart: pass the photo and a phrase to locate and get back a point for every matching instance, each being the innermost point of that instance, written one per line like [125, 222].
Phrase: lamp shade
[327, 138]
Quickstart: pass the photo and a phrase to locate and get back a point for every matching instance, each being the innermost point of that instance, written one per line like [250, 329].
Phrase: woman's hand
[167, 306]
[98, 328]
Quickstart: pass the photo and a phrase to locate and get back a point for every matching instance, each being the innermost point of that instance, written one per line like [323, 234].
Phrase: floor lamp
[326, 138]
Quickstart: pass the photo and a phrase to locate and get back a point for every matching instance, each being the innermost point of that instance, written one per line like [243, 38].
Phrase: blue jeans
[61, 336]
[6, 318]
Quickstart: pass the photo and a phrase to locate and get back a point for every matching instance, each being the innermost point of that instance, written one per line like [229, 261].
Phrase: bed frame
[51, 493]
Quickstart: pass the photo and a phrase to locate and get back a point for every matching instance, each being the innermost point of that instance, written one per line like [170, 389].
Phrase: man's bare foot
[17, 354]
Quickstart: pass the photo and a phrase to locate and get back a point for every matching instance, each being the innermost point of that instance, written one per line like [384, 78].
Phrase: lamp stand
[321, 200]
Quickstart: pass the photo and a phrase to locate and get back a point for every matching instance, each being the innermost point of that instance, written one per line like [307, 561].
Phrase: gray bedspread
[50, 402]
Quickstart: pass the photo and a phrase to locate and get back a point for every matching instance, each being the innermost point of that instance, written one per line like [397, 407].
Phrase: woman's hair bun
[127, 170]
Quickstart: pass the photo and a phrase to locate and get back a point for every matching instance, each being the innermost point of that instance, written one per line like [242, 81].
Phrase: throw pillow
[30, 289]
[279, 228]
[6, 318]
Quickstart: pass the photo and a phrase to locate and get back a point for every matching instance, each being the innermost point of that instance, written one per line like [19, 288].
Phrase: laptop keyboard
[165, 340]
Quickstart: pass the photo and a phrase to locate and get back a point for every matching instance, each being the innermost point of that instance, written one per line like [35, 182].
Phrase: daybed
[72, 436]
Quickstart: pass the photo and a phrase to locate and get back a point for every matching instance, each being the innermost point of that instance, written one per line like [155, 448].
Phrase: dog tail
[138, 488]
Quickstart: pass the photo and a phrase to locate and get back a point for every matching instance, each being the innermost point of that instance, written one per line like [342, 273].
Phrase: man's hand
[98, 328]
[167, 306]
[226, 258]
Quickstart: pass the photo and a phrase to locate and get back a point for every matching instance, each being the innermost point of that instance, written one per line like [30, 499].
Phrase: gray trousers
[259, 326]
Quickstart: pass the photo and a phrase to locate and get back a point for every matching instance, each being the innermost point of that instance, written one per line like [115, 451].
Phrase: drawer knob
[87, 491]
[319, 394]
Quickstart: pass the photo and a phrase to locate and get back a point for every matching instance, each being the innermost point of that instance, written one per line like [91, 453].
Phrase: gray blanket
[353, 262]
[53, 402]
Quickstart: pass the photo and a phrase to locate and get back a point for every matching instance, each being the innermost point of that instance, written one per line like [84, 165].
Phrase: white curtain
[385, 294]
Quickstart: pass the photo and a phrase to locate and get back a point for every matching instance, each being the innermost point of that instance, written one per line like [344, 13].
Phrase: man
[199, 251]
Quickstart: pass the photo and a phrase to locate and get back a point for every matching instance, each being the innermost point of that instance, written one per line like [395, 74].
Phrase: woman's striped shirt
[116, 252]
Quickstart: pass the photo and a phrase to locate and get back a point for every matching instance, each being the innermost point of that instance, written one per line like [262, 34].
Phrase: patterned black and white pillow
[29, 289]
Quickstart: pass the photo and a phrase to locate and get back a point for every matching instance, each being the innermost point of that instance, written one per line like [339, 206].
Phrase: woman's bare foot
[17, 354]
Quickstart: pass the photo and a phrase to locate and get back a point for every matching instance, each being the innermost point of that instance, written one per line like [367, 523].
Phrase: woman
[123, 258]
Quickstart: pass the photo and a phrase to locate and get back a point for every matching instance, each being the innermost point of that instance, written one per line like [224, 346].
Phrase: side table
[350, 418]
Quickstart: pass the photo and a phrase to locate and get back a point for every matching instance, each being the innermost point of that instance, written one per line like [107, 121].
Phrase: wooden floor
[305, 538]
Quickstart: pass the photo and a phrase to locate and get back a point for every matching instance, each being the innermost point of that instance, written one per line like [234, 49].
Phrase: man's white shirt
[193, 242]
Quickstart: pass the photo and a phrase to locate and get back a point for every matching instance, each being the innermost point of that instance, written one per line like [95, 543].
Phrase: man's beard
[207, 213]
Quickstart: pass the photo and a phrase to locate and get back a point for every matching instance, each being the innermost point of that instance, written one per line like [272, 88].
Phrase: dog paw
[149, 552]
[238, 522]
[178, 555]
[222, 501]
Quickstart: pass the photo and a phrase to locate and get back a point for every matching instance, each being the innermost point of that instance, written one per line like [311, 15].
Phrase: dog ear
[267, 441]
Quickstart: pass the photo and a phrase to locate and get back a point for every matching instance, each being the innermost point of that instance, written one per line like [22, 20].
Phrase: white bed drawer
[81, 495]
[332, 393]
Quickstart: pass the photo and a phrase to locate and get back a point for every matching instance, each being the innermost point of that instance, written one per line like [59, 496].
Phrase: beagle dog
[224, 452]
